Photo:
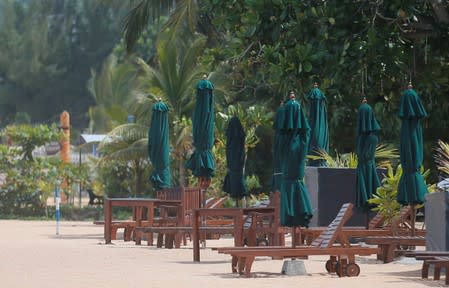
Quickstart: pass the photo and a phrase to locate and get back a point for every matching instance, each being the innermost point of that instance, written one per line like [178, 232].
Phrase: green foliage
[48, 48]
[28, 182]
[442, 158]
[115, 179]
[111, 89]
[385, 197]
[386, 194]
[128, 144]
[385, 155]
[27, 137]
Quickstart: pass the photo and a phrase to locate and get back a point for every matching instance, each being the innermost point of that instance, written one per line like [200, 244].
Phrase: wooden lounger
[342, 256]
[388, 244]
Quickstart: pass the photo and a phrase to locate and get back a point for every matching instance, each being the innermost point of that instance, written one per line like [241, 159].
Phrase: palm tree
[144, 11]
[110, 89]
[173, 81]
[128, 143]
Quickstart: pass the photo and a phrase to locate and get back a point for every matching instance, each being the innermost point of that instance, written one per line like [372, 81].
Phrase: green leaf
[307, 66]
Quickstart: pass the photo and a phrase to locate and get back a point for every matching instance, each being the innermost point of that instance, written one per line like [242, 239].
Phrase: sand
[32, 255]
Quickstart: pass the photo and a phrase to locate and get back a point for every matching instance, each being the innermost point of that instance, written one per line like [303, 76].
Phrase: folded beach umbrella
[296, 209]
[367, 139]
[319, 137]
[158, 146]
[278, 147]
[202, 161]
[234, 182]
[412, 187]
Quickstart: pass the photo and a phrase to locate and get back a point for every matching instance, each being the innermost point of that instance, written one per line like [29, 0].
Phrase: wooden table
[237, 215]
[138, 204]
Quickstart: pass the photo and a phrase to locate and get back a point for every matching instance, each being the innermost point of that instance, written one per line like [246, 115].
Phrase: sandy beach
[32, 255]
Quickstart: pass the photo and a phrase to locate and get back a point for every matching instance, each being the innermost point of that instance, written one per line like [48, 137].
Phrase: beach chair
[376, 228]
[342, 255]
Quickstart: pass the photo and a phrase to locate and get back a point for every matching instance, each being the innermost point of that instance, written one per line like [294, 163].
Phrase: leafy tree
[48, 48]
[27, 137]
[29, 181]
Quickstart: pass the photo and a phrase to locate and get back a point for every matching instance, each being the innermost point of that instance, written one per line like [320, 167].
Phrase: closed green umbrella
[412, 188]
[202, 162]
[366, 175]
[234, 182]
[278, 147]
[296, 209]
[319, 137]
[158, 146]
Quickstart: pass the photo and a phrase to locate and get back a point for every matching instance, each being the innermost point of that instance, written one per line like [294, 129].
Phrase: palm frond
[130, 132]
[138, 17]
[442, 157]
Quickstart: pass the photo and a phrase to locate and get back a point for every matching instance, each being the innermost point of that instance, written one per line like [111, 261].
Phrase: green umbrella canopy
[158, 146]
[202, 162]
[319, 138]
[367, 178]
[278, 146]
[296, 209]
[412, 188]
[234, 182]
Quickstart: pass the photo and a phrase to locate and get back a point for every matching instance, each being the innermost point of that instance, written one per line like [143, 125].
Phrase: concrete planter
[329, 188]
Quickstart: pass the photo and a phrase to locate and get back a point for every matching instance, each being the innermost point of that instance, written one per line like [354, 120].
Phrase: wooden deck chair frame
[342, 256]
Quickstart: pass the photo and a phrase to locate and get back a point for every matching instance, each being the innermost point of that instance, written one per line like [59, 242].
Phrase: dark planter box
[436, 220]
[329, 188]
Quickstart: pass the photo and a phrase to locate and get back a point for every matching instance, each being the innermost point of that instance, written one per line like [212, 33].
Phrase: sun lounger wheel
[352, 270]
[331, 265]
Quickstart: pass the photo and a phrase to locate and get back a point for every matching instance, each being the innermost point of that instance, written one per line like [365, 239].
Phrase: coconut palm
[128, 143]
[111, 89]
[172, 80]
[143, 11]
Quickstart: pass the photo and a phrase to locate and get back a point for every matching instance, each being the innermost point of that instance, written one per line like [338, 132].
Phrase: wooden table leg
[107, 220]
[138, 215]
[196, 238]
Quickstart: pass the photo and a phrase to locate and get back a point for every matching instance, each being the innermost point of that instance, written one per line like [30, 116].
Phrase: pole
[79, 200]
[58, 200]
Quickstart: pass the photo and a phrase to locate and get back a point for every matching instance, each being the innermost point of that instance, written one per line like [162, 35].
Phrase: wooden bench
[342, 257]
[438, 262]
[389, 244]
[170, 233]
[127, 225]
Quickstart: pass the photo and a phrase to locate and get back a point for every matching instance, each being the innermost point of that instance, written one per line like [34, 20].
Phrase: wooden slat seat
[342, 256]
[376, 227]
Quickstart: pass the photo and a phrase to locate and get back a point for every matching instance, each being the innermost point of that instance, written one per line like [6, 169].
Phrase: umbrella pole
[294, 237]
[413, 216]
[367, 220]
